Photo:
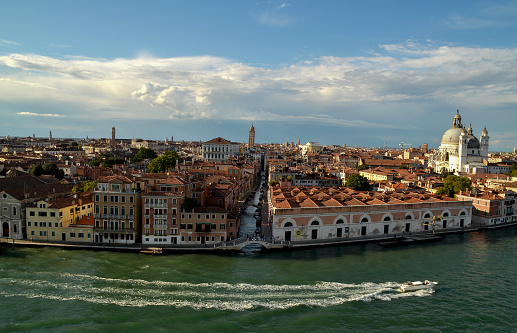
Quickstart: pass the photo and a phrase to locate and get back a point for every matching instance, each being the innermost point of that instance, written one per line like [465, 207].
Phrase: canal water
[341, 289]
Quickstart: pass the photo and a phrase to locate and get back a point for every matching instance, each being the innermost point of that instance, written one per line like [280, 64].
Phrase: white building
[219, 149]
[460, 150]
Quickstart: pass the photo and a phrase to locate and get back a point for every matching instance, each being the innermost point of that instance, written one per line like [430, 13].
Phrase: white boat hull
[417, 285]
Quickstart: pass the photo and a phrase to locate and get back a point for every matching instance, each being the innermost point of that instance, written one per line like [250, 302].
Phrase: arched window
[364, 219]
[462, 213]
[427, 216]
[288, 224]
[340, 221]
[386, 218]
[315, 223]
[408, 217]
[445, 214]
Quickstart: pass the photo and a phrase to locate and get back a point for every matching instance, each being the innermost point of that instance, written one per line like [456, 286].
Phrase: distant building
[460, 150]
[251, 141]
[113, 135]
[219, 149]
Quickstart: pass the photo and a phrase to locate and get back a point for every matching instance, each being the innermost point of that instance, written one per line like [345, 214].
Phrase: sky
[336, 72]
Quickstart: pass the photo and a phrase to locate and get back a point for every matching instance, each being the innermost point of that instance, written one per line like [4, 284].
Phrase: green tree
[89, 185]
[144, 153]
[454, 184]
[358, 182]
[53, 170]
[164, 162]
[361, 167]
[513, 171]
[76, 189]
[36, 170]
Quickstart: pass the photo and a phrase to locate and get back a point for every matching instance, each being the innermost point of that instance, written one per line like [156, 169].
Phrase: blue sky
[337, 72]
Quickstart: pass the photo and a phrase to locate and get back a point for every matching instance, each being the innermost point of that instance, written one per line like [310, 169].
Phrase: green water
[335, 289]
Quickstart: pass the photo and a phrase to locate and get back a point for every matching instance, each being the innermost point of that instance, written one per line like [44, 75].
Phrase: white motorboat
[417, 285]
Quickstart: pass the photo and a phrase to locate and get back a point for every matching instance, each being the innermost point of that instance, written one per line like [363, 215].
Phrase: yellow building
[50, 221]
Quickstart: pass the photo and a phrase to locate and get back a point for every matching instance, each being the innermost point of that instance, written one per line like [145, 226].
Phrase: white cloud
[42, 114]
[214, 88]
[8, 42]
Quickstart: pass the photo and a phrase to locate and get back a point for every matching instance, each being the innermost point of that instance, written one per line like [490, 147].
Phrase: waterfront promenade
[236, 244]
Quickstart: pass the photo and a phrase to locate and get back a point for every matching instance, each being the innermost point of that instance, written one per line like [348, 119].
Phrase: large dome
[452, 137]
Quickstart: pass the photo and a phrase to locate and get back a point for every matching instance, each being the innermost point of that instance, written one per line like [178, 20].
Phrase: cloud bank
[377, 90]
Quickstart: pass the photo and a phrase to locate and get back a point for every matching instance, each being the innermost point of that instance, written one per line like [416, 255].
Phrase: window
[340, 221]
[28, 224]
[189, 226]
[35, 224]
[183, 226]
[32, 233]
[72, 235]
[386, 218]
[364, 219]
[131, 199]
[222, 226]
[81, 235]
[31, 213]
[52, 214]
[42, 213]
[214, 226]
[123, 198]
[56, 224]
[97, 198]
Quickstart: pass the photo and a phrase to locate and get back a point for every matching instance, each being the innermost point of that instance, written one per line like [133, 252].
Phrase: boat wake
[199, 296]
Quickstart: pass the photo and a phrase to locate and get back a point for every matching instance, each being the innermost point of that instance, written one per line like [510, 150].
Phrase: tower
[483, 151]
[113, 135]
[251, 141]
[50, 135]
[462, 149]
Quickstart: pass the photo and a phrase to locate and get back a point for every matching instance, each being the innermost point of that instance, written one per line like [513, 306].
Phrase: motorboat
[417, 285]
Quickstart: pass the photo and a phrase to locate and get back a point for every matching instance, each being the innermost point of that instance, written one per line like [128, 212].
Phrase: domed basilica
[460, 150]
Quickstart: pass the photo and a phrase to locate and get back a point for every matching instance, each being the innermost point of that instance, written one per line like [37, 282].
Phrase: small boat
[152, 250]
[417, 285]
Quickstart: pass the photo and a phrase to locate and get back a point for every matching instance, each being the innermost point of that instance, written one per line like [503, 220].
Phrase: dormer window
[115, 187]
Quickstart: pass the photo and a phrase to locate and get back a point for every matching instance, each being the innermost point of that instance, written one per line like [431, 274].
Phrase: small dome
[485, 132]
[473, 142]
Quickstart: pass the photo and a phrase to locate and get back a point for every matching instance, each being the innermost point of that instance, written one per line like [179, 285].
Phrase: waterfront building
[161, 205]
[207, 225]
[117, 213]
[18, 193]
[219, 149]
[49, 220]
[460, 150]
[312, 214]
[491, 207]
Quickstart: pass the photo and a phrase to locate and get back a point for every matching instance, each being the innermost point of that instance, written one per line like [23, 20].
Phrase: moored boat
[417, 285]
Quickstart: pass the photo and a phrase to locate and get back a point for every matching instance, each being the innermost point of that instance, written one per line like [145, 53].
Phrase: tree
[36, 170]
[454, 184]
[53, 170]
[513, 171]
[74, 144]
[164, 162]
[89, 185]
[358, 182]
[361, 167]
[145, 153]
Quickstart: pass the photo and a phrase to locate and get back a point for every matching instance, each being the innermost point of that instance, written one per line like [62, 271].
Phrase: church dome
[452, 136]
[473, 142]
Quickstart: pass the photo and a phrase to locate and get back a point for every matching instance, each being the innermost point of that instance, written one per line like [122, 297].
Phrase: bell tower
[251, 140]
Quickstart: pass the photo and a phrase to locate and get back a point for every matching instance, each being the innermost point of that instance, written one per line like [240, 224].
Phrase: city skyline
[332, 72]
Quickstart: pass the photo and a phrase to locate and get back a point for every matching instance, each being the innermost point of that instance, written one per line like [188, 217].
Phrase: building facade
[219, 149]
[303, 214]
[117, 210]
